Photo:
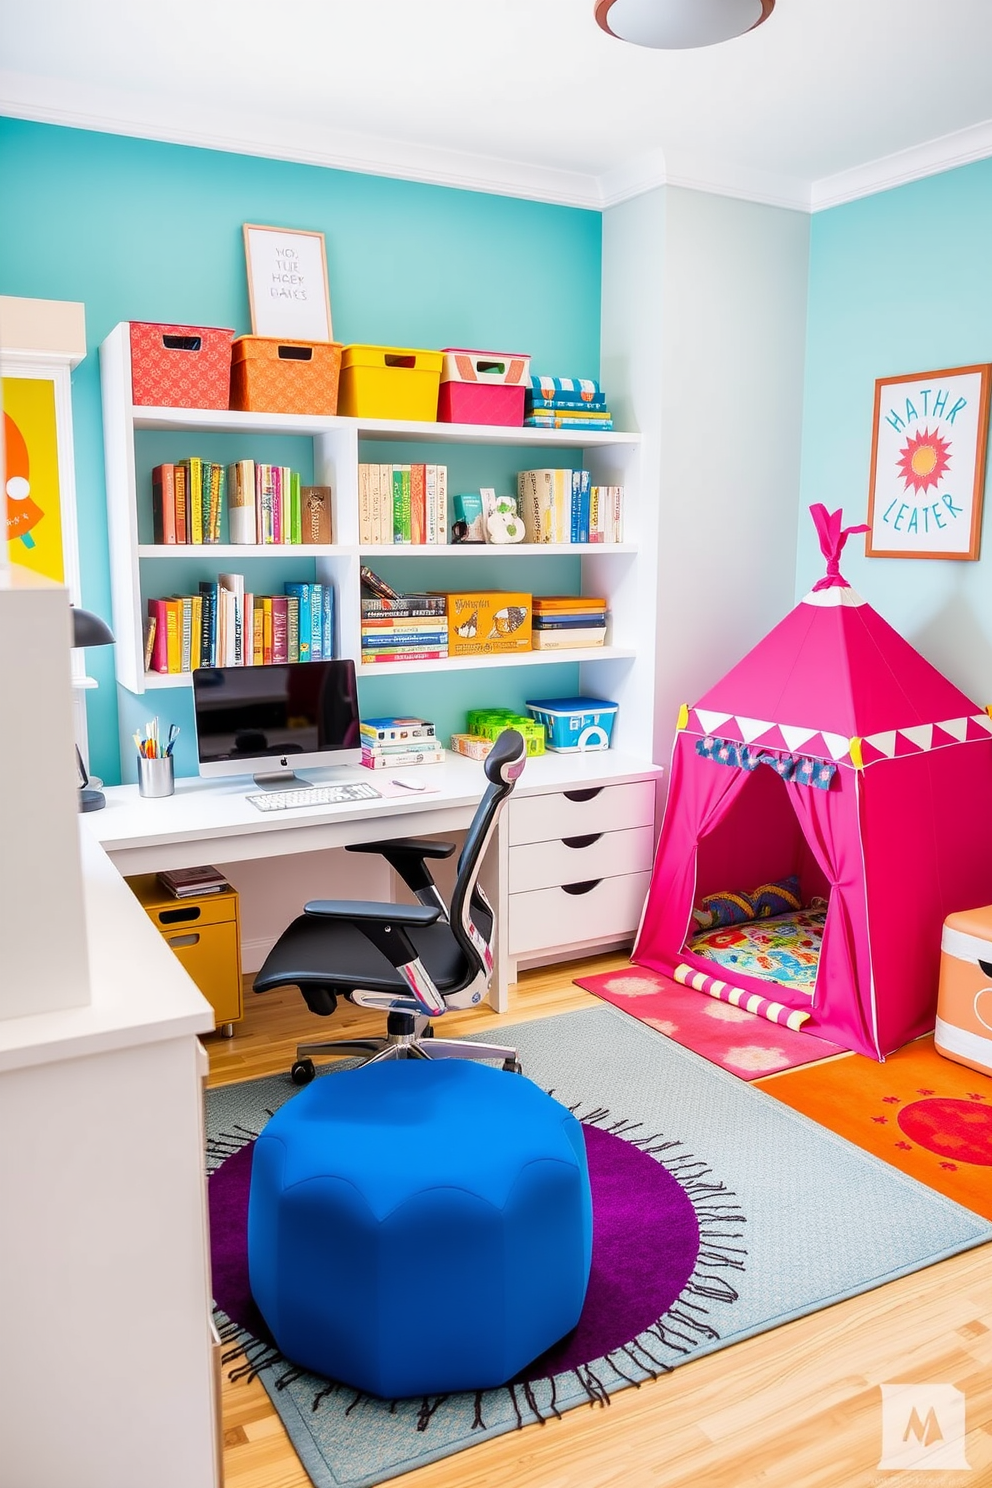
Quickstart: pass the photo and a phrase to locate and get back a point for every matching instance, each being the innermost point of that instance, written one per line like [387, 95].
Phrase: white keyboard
[313, 795]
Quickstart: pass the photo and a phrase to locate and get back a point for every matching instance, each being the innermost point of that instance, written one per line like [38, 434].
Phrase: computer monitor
[269, 721]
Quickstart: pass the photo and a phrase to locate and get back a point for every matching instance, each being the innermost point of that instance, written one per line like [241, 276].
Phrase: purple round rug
[645, 1248]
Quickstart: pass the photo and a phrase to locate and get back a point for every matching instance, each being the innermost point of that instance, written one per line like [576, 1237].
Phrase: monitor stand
[276, 780]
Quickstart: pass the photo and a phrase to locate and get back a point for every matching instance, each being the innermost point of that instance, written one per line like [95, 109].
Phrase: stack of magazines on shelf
[566, 403]
[564, 621]
[401, 627]
[395, 742]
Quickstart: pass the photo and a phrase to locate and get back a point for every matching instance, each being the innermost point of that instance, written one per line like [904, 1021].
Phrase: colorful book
[303, 594]
[148, 637]
[160, 656]
[399, 639]
[292, 628]
[418, 503]
[266, 631]
[173, 635]
[180, 484]
[280, 629]
[369, 658]
[257, 655]
[164, 504]
[396, 729]
[401, 504]
[377, 587]
[379, 762]
[241, 516]
[193, 467]
[295, 508]
[326, 622]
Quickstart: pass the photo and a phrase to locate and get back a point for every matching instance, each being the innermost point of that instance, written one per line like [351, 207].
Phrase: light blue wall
[900, 282]
[140, 230]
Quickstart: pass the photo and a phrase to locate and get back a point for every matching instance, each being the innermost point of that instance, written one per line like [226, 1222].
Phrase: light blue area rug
[719, 1213]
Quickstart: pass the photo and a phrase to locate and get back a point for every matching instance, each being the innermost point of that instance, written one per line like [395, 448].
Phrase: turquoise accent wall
[140, 230]
[900, 283]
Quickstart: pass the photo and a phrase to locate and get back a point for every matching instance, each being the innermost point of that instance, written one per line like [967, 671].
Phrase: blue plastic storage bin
[575, 725]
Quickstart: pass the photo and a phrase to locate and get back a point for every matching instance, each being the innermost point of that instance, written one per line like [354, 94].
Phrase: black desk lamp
[89, 630]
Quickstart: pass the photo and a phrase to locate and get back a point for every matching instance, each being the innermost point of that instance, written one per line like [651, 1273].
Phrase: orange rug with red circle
[922, 1113]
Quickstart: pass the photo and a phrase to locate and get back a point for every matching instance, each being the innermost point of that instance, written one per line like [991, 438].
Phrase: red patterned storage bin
[174, 366]
[482, 387]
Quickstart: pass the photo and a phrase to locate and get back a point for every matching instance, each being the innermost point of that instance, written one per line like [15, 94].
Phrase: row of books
[561, 622]
[566, 403]
[264, 504]
[402, 504]
[396, 742]
[563, 506]
[408, 627]
[225, 625]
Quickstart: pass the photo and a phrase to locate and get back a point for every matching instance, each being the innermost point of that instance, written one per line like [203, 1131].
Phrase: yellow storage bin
[389, 382]
[205, 933]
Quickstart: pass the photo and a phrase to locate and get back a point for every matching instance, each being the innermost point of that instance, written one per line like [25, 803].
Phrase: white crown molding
[696, 173]
[928, 159]
[83, 106]
[76, 106]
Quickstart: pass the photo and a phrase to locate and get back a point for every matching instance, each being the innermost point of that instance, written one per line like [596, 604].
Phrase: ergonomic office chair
[413, 961]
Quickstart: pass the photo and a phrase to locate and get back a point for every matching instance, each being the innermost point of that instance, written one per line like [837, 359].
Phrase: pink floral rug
[743, 1043]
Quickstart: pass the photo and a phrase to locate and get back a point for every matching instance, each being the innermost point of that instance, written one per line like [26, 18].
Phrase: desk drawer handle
[176, 916]
[582, 795]
[178, 941]
[582, 888]
[586, 841]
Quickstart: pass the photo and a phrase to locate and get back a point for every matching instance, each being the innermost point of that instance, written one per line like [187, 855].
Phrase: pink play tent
[833, 752]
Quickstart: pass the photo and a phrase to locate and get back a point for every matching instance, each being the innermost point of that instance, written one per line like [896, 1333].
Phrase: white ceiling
[827, 100]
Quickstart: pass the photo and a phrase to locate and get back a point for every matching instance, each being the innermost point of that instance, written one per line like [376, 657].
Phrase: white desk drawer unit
[579, 865]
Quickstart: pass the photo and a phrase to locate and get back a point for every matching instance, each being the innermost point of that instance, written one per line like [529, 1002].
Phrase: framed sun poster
[287, 283]
[928, 450]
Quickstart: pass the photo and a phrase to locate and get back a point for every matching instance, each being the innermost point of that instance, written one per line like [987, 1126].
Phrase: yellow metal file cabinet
[205, 933]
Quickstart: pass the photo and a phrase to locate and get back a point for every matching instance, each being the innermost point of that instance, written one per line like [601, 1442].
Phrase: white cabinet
[623, 670]
[577, 862]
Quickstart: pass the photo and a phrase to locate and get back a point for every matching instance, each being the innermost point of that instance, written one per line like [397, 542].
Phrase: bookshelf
[329, 450]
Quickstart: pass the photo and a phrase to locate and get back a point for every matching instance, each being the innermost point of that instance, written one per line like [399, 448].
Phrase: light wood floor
[798, 1407]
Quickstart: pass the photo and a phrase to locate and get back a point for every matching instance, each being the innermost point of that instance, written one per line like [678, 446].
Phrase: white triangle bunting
[884, 743]
[752, 728]
[795, 738]
[983, 720]
[956, 727]
[711, 721]
[921, 734]
[838, 744]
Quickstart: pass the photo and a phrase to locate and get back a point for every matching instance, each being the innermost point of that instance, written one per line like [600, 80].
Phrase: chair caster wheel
[302, 1072]
[513, 1066]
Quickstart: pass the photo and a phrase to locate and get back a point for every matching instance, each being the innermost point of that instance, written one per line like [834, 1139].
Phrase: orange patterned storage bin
[272, 376]
[174, 366]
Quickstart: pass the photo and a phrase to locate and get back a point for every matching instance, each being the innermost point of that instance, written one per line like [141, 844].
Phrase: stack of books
[563, 506]
[264, 504]
[399, 742]
[564, 621]
[224, 625]
[566, 403]
[184, 883]
[402, 504]
[401, 627]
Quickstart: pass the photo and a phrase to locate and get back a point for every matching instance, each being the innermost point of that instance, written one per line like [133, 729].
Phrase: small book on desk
[184, 883]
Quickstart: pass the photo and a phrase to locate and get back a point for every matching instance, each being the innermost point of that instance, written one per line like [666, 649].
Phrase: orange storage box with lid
[175, 366]
[964, 998]
[483, 387]
[390, 382]
[273, 376]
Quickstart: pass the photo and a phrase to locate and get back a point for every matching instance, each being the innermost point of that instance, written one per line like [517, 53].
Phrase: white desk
[211, 821]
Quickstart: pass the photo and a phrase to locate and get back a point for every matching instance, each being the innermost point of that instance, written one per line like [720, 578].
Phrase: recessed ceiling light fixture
[677, 24]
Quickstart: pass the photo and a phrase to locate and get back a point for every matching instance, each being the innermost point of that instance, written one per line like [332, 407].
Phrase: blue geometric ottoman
[419, 1227]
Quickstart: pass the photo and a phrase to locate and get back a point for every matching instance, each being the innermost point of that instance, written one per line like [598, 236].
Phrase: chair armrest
[369, 911]
[420, 847]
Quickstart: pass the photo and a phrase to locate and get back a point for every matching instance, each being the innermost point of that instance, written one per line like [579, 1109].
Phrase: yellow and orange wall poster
[31, 475]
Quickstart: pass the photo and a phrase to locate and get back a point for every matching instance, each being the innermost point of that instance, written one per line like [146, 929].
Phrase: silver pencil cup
[156, 777]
